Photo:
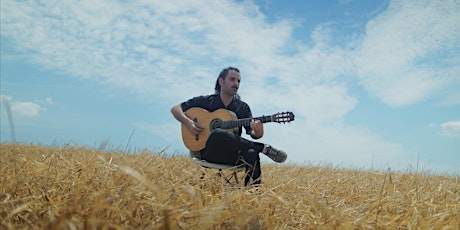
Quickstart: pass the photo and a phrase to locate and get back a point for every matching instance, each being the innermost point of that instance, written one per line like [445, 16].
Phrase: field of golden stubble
[81, 188]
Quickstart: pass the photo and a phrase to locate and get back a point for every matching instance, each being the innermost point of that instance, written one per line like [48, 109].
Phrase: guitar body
[208, 120]
[223, 119]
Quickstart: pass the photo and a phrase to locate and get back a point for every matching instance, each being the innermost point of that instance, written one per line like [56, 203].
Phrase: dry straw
[80, 188]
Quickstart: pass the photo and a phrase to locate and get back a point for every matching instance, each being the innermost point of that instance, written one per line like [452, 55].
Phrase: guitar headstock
[283, 117]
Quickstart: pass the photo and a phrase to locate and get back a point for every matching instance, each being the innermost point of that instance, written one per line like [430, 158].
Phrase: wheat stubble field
[82, 188]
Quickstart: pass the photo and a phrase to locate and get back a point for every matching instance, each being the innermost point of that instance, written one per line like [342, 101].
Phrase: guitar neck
[244, 122]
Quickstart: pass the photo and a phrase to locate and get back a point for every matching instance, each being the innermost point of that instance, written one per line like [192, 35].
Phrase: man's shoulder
[209, 97]
[202, 98]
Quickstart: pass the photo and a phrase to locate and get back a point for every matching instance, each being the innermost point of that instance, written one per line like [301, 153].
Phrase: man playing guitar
[222, 146]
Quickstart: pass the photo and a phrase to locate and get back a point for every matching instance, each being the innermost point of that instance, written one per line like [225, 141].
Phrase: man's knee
[221, 134]
[251, 156]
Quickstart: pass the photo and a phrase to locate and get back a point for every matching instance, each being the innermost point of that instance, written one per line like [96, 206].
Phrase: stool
[221, 167]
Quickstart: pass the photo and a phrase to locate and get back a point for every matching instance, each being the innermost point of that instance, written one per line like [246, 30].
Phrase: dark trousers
[224, 147]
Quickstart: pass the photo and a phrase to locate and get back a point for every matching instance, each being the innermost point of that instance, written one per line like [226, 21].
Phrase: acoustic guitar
[223, 119]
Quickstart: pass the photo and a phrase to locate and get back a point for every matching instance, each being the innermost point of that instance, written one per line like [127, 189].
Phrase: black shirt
[213, 102]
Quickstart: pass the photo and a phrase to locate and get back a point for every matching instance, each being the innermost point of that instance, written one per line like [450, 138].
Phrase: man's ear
[221, 81]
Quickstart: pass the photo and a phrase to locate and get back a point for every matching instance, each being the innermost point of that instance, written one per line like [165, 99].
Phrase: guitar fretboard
[243, 122]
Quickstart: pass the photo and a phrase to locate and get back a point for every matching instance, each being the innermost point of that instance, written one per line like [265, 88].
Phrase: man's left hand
[257, 129]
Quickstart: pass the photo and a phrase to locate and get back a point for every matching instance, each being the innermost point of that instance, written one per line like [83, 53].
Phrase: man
[222, 146]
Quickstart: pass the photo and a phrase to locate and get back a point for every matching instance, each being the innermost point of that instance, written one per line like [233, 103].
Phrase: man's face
[231, 83]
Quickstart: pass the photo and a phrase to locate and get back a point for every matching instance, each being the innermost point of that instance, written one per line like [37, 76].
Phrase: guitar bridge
[197, 137]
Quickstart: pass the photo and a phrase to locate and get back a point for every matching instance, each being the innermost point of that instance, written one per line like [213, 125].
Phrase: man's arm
[180, 115]
[192, 126]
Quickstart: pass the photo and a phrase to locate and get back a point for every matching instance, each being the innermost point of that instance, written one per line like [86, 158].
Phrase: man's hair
[222, 75]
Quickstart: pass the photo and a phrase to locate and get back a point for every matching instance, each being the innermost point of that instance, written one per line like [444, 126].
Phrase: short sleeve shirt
[213, 102]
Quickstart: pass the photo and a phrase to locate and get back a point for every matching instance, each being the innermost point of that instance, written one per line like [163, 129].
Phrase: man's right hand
[191, 125]
[194, 127]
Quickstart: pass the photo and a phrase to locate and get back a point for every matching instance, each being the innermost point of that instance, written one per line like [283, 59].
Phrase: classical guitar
[223, 119]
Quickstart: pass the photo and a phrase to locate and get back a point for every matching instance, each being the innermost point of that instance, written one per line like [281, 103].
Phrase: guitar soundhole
[215, 124]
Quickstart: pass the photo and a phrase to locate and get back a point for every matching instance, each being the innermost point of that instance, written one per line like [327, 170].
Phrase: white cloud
[326, 104]
[153, 44]
[150, 43]
[49, 100]
[411, 51]
[337, 144]
[28, 109]
[5, 98]
[451, 129]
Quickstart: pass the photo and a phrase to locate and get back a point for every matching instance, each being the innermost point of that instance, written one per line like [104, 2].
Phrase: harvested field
[81, 188]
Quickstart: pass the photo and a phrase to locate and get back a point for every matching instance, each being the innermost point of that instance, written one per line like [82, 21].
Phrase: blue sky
[373, 84]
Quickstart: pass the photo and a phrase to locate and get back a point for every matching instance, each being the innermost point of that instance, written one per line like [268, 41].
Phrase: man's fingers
[255, 124]
[199, 126]
[196, 128]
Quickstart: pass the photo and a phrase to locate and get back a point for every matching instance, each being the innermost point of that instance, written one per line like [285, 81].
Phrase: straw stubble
[76, 188]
